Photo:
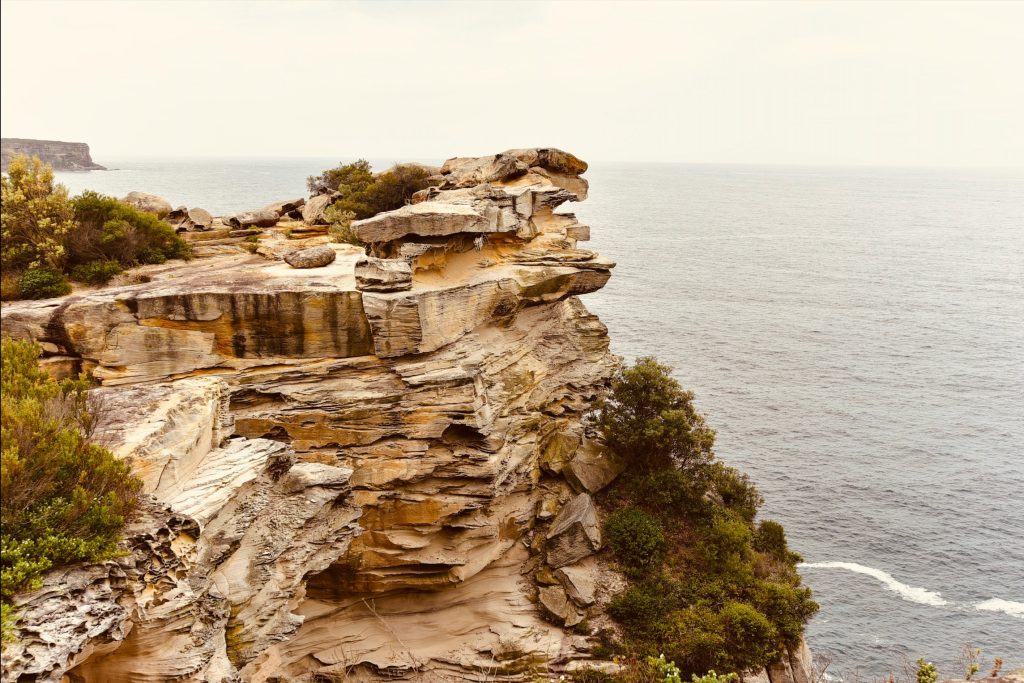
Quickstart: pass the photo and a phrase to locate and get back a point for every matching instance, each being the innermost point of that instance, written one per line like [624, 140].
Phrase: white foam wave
[916, 594]
[1011, 607]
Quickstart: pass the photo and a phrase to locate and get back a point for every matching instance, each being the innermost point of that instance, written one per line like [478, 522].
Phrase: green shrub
[364, 194]
[651, 420]
[926, 671]
[636, 539]
[670, 492]
[750, 639]
[786, 606]
[96, 272]
[36, 216]
[64, 499]
[737, 491]
[640, 607]
[591, 675]
[109, 230]
[712, 677]
[43, 283]
[340, 225]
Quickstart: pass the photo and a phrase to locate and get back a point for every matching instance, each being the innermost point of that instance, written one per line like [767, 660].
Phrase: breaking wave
[916, 594]
[1011, 607]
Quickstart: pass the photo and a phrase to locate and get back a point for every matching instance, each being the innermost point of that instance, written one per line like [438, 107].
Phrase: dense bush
[636, 539]
[364, 194]
[651, 420]
[46, 235]
[709, 589]
[36, 216]
[96, 272]
[109, 230]
[64, 499]
[42, 283]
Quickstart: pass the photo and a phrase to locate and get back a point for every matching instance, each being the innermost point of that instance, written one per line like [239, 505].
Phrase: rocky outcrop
[62, 156]
[353, 455]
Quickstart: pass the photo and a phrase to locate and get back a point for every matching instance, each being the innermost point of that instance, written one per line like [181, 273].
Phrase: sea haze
[856, 336]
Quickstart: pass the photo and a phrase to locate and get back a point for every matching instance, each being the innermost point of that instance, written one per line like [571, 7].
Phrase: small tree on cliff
[363, 193]
[650, 419]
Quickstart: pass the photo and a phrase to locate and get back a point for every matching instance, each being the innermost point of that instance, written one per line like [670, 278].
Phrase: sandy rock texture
[378, 468]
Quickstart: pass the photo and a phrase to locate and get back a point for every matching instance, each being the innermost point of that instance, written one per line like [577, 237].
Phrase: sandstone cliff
[63, 156]
[376, 468]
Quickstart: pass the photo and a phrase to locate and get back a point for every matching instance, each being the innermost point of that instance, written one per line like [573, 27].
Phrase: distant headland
[63, 156]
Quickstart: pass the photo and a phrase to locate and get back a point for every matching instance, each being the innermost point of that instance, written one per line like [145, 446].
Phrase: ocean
[855, 335]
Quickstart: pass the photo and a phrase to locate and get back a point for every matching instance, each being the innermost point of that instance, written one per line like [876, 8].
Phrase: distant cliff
[63, 156]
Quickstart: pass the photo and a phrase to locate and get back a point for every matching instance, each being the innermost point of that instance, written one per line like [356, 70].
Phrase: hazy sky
[815, 82]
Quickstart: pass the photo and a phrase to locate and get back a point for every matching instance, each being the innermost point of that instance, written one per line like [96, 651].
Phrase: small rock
[151, 203]
[593, 467]
[578, 584]
[544, 576]
[383, 275]
[314, 257]
[557, 606]
[575, 533]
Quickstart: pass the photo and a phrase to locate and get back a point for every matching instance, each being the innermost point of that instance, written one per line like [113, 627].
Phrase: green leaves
[64, 500]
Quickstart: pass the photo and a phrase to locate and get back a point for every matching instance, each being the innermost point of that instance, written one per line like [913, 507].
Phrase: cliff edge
[62, 156]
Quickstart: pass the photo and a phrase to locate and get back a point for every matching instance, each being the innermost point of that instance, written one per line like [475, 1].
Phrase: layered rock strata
[342, 463]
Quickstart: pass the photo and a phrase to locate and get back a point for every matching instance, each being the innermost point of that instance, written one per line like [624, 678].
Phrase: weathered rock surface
[62, 156]
[575, 533]
[363, 457]
[259, 218]
[314, 257]
[383, 275]
[151, 203]
[313, 210]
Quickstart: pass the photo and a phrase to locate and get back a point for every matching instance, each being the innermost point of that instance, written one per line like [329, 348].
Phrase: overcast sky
[863, 83]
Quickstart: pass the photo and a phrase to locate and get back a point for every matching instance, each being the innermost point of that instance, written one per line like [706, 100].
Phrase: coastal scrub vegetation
[710, 587]
[64, 499]
[49, 236]
[364, 193]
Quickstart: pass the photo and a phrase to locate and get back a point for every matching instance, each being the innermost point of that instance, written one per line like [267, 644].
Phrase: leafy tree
[36, 216]
[64, 499]
[349, 179]
[651, 420]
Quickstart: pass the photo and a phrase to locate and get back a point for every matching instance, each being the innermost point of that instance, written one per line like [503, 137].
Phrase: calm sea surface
[857, 338]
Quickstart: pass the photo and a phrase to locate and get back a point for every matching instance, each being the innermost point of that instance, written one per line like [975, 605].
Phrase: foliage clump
[364, 193]
[48, 236]
[710, 588]
[64, 499]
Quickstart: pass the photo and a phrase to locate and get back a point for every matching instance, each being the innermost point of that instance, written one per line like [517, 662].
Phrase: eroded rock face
[359, 451]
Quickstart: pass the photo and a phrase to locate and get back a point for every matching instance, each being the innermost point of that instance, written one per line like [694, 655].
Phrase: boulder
[575, 533]
[313, 210]
[260, 218]
[200, 218]
[579, 584]
[287, 206]
[151, 203]
[557, 606]
[550, 158]
[557, 451]
[593, 467]
[314, 257]
[383, 275]
[472, 171]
